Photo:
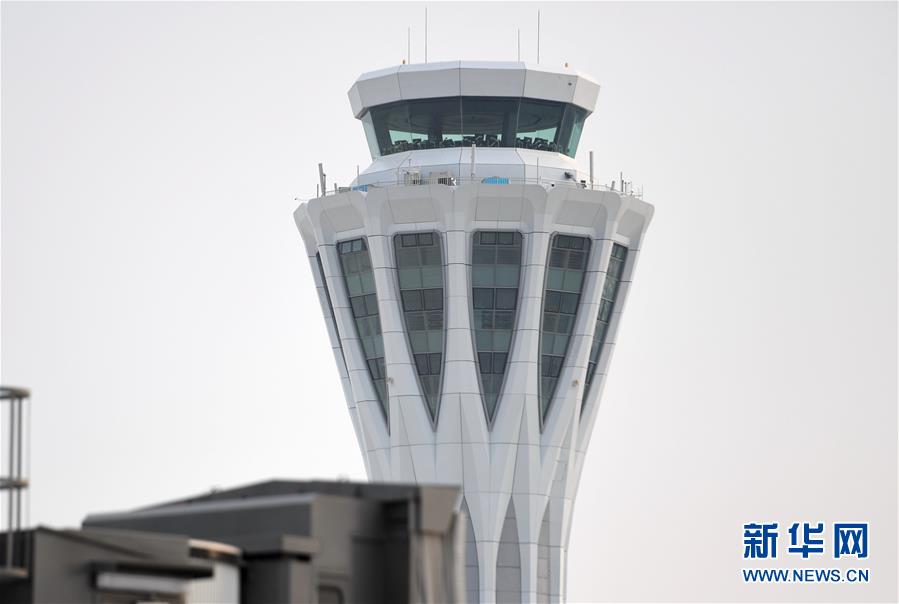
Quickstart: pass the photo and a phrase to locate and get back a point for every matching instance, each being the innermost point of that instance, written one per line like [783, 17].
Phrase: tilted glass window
[564, 281]
[359, 278]
[331, 318]
[495, 274]
[463, 121]
[538, 124]
[604, 315]
[419, 263]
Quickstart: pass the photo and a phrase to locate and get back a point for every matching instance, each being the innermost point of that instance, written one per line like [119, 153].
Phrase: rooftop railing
[413, 179]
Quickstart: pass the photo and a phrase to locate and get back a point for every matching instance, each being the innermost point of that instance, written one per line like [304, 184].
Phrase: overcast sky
[156, 298]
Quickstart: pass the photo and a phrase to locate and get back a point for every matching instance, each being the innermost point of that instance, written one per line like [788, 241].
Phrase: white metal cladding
[472, 78]
[519, 165]
[513, 461]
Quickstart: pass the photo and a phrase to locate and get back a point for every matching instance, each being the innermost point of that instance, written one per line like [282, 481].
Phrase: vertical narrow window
[331, 318]
[561, 298]
[604, 316]
[355, 262]
[495, 274]
[419, 263]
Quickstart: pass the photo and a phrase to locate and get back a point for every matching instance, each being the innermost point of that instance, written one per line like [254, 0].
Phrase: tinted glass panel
[483, 121]
[561, 298]
[495, 269]
[538, 125]
[572, 126]
[604, 316]
[331, 319]
[419, 263]
[355, 262]
[488, 122]
[435, 123]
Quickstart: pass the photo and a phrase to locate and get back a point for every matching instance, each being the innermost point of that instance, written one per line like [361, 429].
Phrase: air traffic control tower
[472, 280]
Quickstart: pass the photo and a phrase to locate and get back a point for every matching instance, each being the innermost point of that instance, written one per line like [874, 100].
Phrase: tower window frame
[493, 320]
[568, 259]
[422, 307]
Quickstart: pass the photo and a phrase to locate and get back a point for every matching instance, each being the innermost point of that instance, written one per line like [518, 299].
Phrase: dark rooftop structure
[314, 541]
[271, 542]
[106, 566]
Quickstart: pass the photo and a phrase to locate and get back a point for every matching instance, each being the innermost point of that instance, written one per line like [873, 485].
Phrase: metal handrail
[463, 180]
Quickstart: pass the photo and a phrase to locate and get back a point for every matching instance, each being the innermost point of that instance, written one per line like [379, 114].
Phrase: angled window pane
[538, 124]
[421, 364]
[572, 126]
[421, 124]
[496, 272]
[331, 318]
[502, 339]
[499, 362]
[420, 270]
[432, 276]
[358, 305]
[484, 254]
[411, 299]
[485, 361]
[604, 315]
[433, 299]
[506, 298]
[488, 122]
[561, 299]
[504, 319]
[507, 275]
[483, 275]
[355, 263]
[506, 238]
[435, 361]
[482, 297]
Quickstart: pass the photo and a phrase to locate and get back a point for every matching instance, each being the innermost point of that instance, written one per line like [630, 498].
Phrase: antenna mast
[538, 36]
[591, 170]
[426, 34]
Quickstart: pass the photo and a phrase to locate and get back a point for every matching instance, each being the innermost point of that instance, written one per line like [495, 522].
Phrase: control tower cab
[523, 121]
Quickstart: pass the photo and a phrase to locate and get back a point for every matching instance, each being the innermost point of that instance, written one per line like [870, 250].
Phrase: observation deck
[465, 121]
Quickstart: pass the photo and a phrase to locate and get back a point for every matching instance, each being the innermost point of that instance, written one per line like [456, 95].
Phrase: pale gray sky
[156, 298]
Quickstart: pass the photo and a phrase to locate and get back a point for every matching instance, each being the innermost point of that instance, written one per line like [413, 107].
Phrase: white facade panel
[548, 84]
[472, 78]
[429, 80]
[377, 88]
[492, 79]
